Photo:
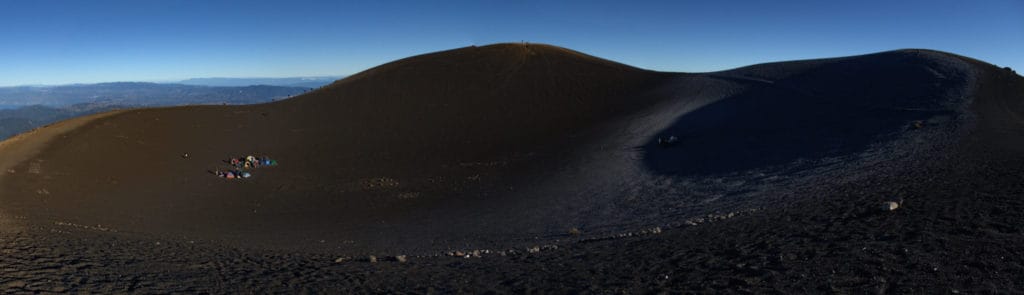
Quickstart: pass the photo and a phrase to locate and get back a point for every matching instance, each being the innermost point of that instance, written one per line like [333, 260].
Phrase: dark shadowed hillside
[828, 108]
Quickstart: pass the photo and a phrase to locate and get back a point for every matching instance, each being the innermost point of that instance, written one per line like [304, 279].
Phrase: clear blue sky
[59, 42]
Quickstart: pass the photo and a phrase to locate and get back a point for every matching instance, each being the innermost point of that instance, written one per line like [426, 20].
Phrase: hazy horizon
[104, 41]
[175, 81]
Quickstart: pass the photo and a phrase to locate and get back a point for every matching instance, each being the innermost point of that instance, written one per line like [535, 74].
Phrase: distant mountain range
[25, 107]
[141, 94]
[18, 120]
[307, 82]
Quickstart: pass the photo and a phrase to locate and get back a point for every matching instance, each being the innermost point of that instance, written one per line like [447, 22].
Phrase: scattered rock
[401, 258]
[668, 142]
[890, 205]
[15, 285]
[341, 259]
[918, 124]
[408, 195]
[373, 259]
[574, 231]
[533, 249]
[475, 253]
[379, 183]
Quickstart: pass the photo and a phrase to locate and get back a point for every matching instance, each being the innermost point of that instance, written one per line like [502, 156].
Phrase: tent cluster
[240, 166]
[251, 161]
[233, 174]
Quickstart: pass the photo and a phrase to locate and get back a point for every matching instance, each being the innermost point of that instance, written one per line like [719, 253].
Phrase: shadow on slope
[836, 107]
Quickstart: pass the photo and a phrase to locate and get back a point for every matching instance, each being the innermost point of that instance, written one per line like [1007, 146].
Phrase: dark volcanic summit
[548, 160]
[378, 147]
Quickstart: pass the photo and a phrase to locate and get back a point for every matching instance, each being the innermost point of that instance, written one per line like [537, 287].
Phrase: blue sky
[60, 42]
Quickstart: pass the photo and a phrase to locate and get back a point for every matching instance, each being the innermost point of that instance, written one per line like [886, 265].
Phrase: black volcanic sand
[776, 184]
